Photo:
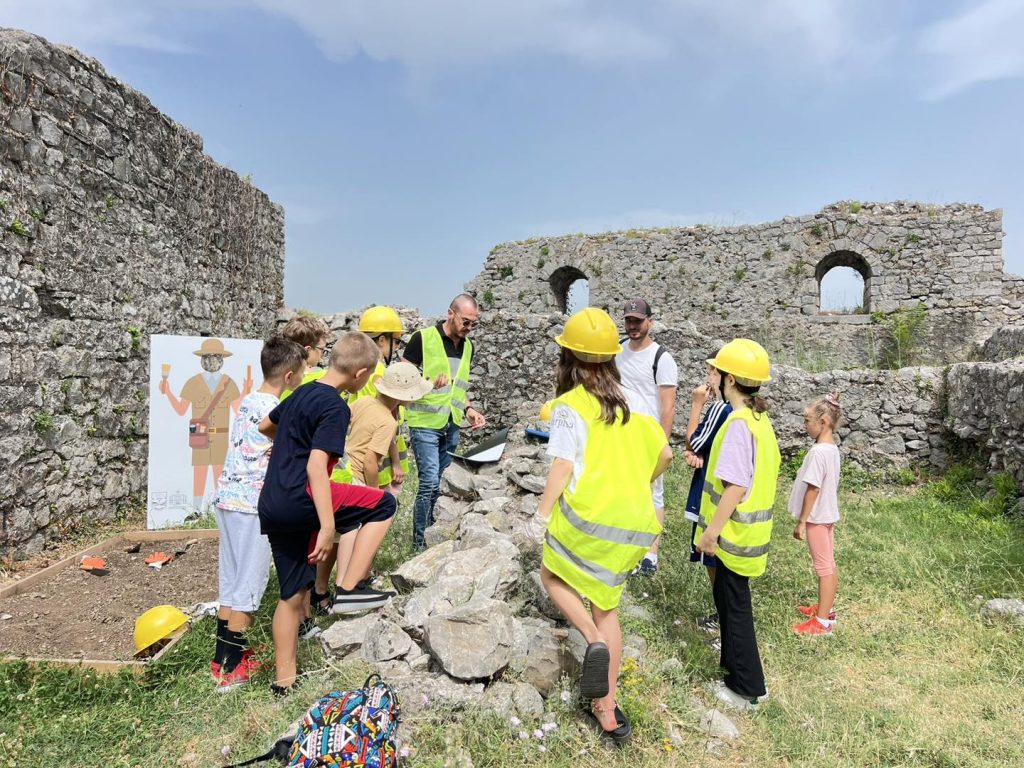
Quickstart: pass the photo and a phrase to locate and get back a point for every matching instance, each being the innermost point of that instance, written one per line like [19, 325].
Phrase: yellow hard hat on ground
[156, 624]
[591, 335]
[378, 320]
[545, 410]
[744, 359]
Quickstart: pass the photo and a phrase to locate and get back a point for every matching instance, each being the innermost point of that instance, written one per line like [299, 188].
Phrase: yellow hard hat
[157, 624]
[545, 410]
[378, 320]
[744, 359]
[591, 335]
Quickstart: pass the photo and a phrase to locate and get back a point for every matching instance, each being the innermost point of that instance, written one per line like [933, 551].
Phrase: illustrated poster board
[186, 450]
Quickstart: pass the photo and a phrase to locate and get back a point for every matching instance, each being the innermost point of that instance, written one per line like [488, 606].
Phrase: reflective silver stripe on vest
[606, 577]
[402, 456]
[424, 408]
[440, 390]
[738, 551]
[459, 405]
[606, 532]
[709, 489]
[756, 516]
[463, 385]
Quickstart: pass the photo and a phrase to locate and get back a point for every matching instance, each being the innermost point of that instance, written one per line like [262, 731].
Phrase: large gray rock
[718, 726]
[494, 504]
[547, 659]
[440, 597]
[457, 481]
[540, 598]
[421, 570]
[473, 641]
[493, 569]
[507, 699]
[420, 694]
[1011, 608]
[529, 483]
[346, 634]
[384, 641]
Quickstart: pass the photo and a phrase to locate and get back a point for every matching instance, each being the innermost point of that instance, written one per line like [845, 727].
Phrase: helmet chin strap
[391, 350]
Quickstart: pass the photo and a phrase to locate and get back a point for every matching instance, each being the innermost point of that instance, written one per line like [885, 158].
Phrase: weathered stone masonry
[113, 226]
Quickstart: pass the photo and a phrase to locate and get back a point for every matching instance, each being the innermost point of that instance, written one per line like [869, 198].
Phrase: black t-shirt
[413, 351]
[313, 417]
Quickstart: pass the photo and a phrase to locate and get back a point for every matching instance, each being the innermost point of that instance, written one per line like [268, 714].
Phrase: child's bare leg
[827, 586]
[345, 547]
[607, 623]
[224, 613]
[571, 606]
[365, 545]
[285, 631]
[323, 571]
[711, 574]
[239, 621]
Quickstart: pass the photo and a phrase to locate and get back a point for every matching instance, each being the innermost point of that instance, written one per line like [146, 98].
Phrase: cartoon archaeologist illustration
[212, 396]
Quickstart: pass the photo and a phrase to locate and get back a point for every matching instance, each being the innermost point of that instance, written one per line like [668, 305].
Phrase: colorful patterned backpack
[348, 729]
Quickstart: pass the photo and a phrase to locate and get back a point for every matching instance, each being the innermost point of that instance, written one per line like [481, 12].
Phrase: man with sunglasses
[444, 353]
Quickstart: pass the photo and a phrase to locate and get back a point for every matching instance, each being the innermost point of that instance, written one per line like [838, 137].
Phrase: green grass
[913, 676]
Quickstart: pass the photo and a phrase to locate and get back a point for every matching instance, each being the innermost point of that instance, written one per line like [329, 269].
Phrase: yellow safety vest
[433, 410]
[385, 473]
[744, 542]
[605, 521]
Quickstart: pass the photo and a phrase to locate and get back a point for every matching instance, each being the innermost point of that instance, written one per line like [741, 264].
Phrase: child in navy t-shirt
[301, 509]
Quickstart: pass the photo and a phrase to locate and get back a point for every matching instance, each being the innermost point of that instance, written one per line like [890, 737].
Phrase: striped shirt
[700, 443]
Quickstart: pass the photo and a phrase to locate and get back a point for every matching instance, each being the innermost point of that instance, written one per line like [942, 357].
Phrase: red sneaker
[250, 660]
[236, 678]
[811, 627]
[812, 610]
[215, 669]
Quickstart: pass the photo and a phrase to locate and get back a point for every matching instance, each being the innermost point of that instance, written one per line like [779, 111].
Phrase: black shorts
[291, 549]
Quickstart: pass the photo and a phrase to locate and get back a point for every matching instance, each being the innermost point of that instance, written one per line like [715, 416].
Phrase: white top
[820, 469]
[637, 371]
[568, 435]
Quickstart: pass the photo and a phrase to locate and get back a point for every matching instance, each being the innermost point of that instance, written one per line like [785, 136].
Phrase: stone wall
[113, 226]
[762, 281]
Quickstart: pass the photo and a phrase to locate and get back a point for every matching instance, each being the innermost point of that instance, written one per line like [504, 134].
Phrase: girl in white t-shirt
[815, 504]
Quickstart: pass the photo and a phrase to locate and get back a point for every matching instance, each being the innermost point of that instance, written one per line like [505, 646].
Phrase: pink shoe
[812, 610]
[811, 627]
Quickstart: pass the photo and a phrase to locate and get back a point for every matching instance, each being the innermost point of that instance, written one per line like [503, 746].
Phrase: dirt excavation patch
[75, 614]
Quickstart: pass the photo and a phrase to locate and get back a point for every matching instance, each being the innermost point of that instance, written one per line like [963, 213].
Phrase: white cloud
[95, 24]
[981, 44]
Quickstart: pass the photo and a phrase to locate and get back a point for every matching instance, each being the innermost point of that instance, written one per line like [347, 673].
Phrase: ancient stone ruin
[113, 226]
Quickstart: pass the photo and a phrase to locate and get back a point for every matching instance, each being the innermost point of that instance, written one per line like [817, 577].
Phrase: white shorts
[244, 560]
[658, 492]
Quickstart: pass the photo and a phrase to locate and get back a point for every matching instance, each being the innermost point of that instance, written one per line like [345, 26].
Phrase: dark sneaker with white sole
[362, 598]
[709, 623]
[308, 629]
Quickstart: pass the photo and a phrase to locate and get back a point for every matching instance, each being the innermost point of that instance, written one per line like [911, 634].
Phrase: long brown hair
[602, 380]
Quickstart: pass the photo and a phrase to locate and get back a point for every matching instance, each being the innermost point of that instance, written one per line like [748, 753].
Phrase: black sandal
[320, 602]
[623, 730]
[594, 677]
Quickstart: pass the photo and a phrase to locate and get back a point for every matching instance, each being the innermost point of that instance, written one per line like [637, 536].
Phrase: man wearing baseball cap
[649, 370]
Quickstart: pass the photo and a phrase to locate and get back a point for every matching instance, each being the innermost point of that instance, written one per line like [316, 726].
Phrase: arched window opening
[844, 284]
[571, 289]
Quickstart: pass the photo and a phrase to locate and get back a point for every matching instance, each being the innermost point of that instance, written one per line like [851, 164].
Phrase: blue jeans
[431, 448]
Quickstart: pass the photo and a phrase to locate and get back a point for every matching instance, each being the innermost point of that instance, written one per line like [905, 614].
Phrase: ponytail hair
[751, 398]
[828, 408]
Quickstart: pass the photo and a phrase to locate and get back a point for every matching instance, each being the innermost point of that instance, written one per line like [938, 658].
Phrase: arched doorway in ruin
[844, 284]
[570, 288]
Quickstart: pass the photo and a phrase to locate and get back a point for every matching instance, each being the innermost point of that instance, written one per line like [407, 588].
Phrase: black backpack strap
[657, 357]
[280, 750]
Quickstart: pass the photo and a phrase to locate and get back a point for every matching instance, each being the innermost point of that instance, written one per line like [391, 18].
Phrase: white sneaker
[733, 700]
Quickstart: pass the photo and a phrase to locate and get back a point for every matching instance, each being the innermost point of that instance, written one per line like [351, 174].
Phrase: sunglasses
[466, 323]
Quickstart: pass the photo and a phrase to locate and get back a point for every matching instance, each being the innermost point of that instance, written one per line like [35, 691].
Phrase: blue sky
[405, 138]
